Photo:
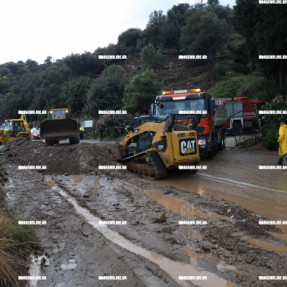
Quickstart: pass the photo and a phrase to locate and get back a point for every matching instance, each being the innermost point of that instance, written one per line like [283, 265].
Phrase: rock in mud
[160, 218]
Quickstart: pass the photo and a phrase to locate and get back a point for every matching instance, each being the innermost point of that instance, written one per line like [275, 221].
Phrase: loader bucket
[59, 129]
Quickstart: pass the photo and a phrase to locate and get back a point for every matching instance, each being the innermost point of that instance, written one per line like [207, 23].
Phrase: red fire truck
[241, 114]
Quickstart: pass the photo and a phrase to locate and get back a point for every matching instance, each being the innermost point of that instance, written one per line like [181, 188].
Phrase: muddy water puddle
[188, 211]
[268, 202]
[180, 206]
[77, 180]
[35, 268]
[281, 250]
[173, 268]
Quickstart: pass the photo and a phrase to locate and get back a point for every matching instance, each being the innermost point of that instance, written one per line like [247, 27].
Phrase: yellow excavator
[59, 127]
[14, 128]
[155, 145]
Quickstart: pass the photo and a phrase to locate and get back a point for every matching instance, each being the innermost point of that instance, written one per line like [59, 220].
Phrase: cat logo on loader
[187, 147]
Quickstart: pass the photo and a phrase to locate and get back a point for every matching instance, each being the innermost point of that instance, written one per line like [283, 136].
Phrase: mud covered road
[228, 248]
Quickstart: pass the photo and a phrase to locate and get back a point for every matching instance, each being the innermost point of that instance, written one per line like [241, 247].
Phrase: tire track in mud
[63, 243]
[174, 269]
[220, 238]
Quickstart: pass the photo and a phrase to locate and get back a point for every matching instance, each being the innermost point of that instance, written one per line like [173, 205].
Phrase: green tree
[213, 2]
[128, 40]
[152, 33]
[271, 40]
[48, 91]
[177, 14]
[170, 35]
[141, 92]
[246, 15]
[171, 28]
[74, 93]
[107, 91]
[84, 64]
[151, 58]
[111, 49]
[204, 33]
[264, 29]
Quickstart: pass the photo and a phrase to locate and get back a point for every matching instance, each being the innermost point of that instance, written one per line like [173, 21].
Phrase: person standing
[82, 130]
[101, 133]
[282, 140]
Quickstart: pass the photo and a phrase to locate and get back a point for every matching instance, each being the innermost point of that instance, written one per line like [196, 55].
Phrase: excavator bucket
[55, 130]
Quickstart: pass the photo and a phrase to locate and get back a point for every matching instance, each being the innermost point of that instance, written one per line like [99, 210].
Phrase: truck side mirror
[128, 128]
[212, 107]
[152, 109]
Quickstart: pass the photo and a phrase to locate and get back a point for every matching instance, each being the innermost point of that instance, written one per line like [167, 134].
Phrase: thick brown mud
[225, 242]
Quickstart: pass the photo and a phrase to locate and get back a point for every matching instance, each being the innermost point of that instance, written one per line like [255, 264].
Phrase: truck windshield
[173, 107]
[58, 114]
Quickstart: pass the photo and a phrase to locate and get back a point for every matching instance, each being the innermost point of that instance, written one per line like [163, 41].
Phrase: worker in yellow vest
[282, 143]
[82, 130]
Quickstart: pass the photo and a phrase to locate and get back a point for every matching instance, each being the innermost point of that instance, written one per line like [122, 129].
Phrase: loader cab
[59, 114]
[14, 127]
[138, 121]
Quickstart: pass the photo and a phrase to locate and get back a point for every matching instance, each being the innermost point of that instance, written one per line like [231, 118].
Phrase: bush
[4, 135]
[228, 88]
[276, 104]
[252, 87]
[16, 242]
[270, 139]
[151, 58]
[113, 125]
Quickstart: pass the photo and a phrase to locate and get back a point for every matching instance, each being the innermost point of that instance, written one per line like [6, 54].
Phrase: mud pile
[60, 159]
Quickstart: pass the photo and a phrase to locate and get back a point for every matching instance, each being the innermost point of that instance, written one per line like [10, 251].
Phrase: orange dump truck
[185, 103]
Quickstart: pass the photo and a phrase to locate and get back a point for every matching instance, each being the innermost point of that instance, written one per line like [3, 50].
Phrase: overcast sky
[36, 29]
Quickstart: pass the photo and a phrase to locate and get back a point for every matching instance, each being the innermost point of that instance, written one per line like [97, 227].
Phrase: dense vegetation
[86, 84]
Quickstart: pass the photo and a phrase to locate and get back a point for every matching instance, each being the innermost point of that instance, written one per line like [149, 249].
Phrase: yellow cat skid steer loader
[59, 127]
[153, 146]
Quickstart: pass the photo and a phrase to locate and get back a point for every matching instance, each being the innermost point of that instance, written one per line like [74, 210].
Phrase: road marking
[238, 183]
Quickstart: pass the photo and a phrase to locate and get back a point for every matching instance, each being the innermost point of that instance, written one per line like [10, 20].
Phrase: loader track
[158, 165]
[154, 166]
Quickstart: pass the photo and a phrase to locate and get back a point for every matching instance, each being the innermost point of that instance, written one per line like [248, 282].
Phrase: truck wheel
[222, 143]
[23, 137]
[236, 129]
[214, 143]
[49, 142]
[213, 147]
[74, 141]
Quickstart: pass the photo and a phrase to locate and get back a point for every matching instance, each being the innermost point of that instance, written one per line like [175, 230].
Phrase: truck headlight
[201, 142]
